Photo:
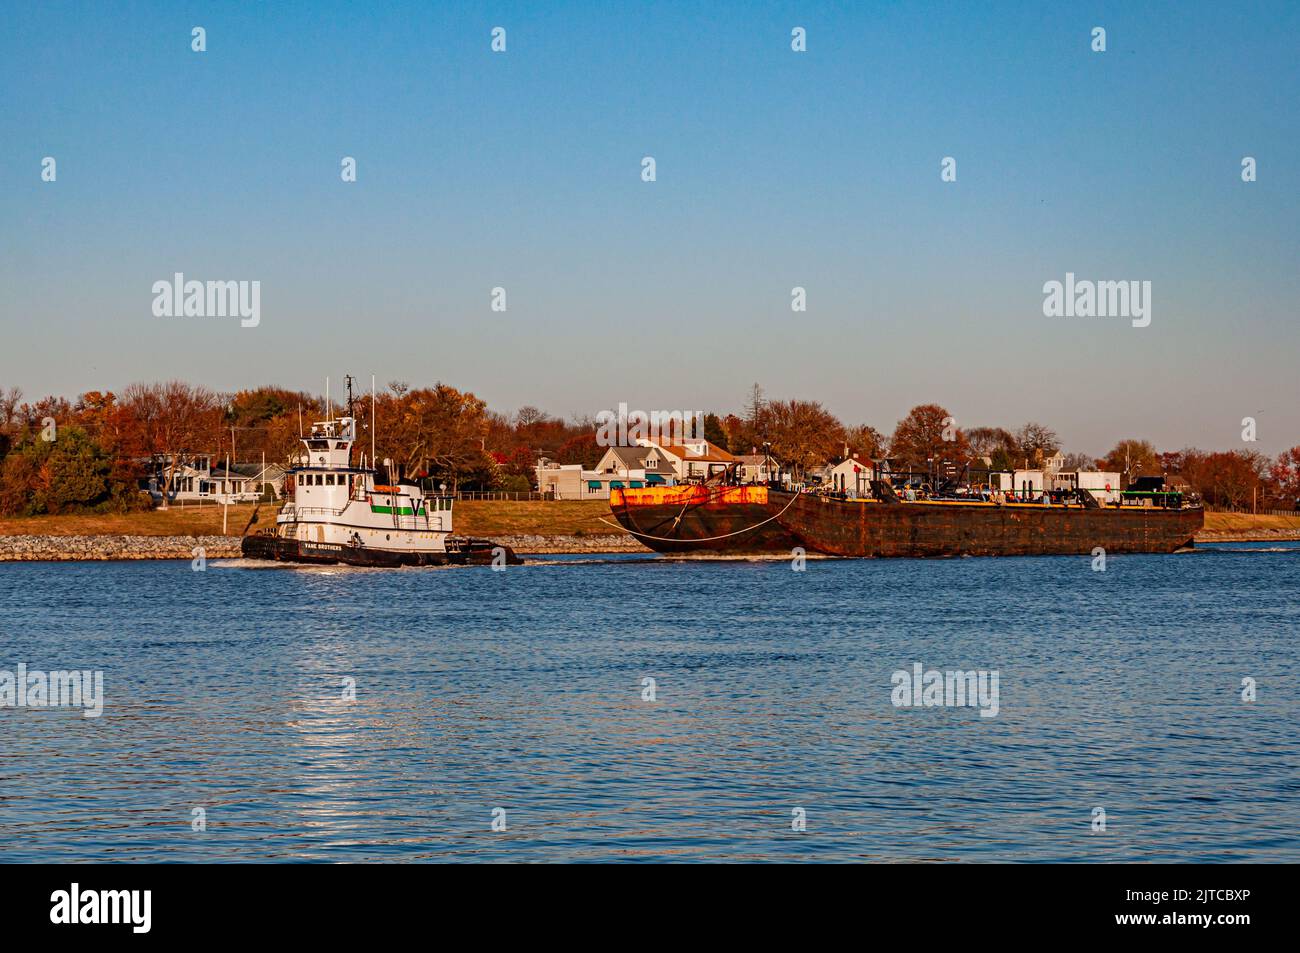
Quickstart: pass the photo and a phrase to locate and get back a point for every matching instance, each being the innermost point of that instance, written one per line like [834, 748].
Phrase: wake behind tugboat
[364, 516]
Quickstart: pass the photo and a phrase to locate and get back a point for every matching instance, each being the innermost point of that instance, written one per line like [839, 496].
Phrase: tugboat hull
[460, 552]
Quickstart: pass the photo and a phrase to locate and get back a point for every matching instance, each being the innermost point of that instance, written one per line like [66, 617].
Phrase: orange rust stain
[682, 495]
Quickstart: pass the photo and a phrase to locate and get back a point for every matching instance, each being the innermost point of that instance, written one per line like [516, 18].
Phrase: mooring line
[704, 539]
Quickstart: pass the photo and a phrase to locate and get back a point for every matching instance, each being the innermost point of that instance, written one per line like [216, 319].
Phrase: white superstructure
[330, 503]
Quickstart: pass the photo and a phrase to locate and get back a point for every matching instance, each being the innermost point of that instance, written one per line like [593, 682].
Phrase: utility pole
[225, 485]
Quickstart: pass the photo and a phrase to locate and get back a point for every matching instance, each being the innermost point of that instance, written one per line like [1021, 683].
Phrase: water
[521, 690]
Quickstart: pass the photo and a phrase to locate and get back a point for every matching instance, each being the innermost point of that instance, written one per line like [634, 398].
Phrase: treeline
[61, 456]
[58, 455]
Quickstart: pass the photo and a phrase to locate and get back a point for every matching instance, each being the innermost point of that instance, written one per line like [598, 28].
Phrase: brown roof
[712, 454]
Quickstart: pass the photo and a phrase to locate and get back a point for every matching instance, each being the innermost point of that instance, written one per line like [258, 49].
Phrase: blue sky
[775, 169]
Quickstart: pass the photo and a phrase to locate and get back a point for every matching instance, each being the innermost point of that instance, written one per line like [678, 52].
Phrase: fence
[1246, 510]
[500, 495]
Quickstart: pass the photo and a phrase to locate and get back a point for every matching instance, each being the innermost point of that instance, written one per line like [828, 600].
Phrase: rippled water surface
[522, 690]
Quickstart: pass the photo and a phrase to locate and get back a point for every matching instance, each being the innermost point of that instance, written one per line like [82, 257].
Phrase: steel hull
[468, 552]
[777, 522]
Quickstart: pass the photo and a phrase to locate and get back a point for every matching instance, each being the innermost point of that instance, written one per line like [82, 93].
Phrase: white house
[851, 476]
[620, 467]
[646, 462]
[693, 460]
[197, 481]
[757, 468]
[567, 481]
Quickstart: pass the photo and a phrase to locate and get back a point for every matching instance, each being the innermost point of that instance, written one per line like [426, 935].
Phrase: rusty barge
[737, 520]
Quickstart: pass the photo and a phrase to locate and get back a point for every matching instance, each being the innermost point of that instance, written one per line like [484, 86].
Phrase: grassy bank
[177, 521]
[472, 518]
[1246, 523]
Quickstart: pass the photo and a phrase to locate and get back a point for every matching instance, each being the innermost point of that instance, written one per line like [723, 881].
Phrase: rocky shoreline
[1247, 536]
[102, 548]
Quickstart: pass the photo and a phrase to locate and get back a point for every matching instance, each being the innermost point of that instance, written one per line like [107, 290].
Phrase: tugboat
[364, 516]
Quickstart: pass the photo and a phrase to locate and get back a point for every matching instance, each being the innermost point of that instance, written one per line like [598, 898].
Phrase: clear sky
[775, 169]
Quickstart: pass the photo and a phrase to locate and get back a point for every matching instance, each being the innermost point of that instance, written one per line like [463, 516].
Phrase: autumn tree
[101, 415]
[33, 416]
[440, 431]
[583, 449]
[55, 476]
[1231, 479]
[19, 474]
[866, 441]
[803, 433]
[1284, 475]
[734, 428]
[928, 433]
[265, 420]
[1132, 458]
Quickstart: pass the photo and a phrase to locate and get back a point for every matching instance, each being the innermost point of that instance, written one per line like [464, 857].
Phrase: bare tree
[756, 408]
[9, 401]
[173, 420]
[986, 441]
[1037, 441]
[529, 415]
